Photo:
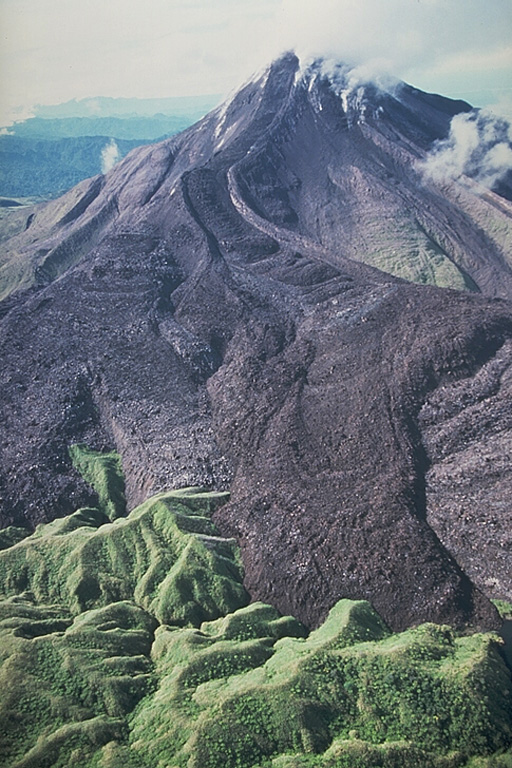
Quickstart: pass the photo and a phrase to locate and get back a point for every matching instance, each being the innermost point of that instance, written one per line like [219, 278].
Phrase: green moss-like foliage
[104, 472]
[81, 599]
[129, 644]
[67, 685]
[11, 535]
[350, 693]
[165, 556]
[504, 608]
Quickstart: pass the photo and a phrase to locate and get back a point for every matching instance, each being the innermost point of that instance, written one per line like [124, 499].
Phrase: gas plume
[109, 156]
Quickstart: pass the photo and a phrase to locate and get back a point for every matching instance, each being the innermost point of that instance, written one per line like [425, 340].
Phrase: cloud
[109, 156]
[56, 50]
[479, 146]
[405, 38]
[502, 106]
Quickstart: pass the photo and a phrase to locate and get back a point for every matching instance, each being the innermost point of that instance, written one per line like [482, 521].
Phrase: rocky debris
[204, 310]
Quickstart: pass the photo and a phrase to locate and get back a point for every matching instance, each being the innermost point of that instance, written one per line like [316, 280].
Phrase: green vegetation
[11, 535]
[406, 250]
[504, 608]
[104, 472]
[67, 685]
[425, 264]
[164, 556]
[130, 644]
[350, 694]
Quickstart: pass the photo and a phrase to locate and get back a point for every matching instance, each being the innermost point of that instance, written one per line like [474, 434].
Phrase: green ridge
[130, 644]
[165, 556]
[11, 535]
[423, 697]
[104, 472]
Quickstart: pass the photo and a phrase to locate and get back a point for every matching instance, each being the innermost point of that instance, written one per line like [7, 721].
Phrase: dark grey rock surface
[205, 310]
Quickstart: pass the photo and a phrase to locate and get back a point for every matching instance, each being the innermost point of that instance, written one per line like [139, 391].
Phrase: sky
[52, 51]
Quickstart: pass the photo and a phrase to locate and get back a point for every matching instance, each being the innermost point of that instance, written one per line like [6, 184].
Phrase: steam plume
[109, 156]
[478, 146]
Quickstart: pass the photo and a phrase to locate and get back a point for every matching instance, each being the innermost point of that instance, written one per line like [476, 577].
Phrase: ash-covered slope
[203, 309]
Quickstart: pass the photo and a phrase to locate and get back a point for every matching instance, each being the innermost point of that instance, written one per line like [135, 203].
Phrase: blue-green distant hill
[47, 167]
[189, 106]
[61, 145]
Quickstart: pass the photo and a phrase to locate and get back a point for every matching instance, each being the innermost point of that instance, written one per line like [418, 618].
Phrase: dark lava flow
[203, 310]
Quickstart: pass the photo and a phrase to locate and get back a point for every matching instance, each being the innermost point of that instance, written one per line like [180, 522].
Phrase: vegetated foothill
[131, 643]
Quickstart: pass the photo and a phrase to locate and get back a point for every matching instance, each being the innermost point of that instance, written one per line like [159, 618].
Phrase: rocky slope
[205, 310]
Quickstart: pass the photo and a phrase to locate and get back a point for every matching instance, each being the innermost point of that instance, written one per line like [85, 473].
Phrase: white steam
[351, 84]
[346, 77]
[401, 37]
[479, 146]
[109, 156]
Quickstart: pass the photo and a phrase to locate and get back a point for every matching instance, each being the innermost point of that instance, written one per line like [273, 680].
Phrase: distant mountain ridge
[137, 127]
[61, 145]
[30, 166]
[233, 308]
[192, 107]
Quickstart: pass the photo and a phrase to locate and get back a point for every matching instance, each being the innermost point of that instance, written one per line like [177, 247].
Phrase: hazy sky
[55, 50]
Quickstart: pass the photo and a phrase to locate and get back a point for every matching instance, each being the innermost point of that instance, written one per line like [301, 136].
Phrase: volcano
[277, 302]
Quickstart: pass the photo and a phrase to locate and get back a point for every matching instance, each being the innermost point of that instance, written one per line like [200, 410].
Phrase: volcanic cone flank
[277, 302]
